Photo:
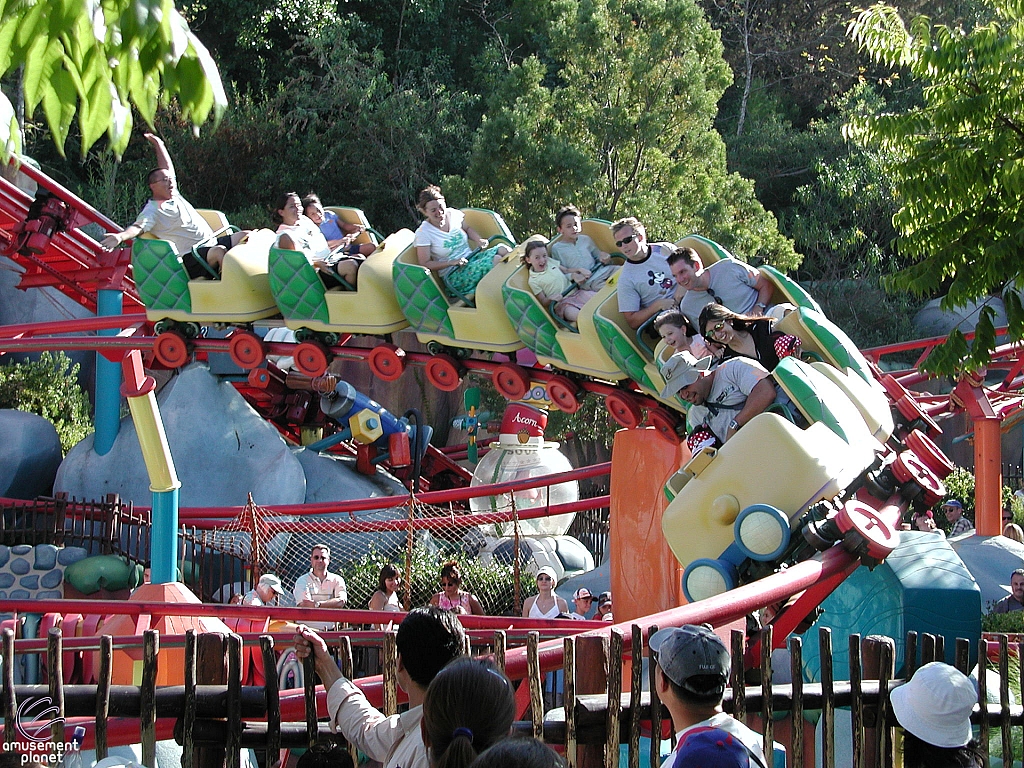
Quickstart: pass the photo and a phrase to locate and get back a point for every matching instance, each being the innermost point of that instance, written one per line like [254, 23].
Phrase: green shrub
[1008, 623]
[49, 387]
[492, 584]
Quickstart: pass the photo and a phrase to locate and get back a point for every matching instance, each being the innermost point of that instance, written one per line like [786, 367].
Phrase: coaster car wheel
[171, 349]
[624, 408]
[664, 421]
[387, 362]
[511, 380]
[564, 393]
[311, 358]
[444, 373]
[246, 350]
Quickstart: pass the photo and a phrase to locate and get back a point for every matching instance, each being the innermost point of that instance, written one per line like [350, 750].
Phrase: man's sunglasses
[625, 241]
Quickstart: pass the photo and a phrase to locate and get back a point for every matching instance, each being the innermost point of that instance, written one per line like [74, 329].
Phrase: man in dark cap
[692, 673]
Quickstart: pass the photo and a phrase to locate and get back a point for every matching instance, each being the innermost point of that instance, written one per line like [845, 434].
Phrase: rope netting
[415, 537]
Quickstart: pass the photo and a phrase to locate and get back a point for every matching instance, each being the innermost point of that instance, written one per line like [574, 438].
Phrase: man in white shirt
[320, 588]
[428, 638]
[645, 285]
[692, 666]
[169, 216]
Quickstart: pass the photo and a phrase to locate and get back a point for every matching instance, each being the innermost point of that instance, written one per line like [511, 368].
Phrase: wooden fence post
[591, 677]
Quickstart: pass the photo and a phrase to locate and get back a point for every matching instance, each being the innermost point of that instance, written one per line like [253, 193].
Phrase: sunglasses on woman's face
[449, 584]
[543, 578]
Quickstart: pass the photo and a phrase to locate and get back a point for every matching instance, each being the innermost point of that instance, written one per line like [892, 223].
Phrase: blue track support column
[163, 556]
[108, 379]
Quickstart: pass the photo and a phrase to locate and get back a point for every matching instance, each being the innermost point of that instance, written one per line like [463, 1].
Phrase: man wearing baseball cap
[692, 673]
[582, 599]
[954, 512]
[723, 399]
[266, 591]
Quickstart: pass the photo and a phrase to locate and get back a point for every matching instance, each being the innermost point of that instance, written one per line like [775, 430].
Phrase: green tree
[956, 162]
[98, 61]
[615, 113]
[49, 387]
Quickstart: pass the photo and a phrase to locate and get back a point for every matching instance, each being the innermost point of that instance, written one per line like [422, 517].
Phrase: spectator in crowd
[645, 285]
[452, 597]
[545, 604]
[954, 512]
[925, 521]
[692, 671]
[469, 706]
[728, 282]
[428, 638]
[1014, 531]
[169, 216]
[266, 591]
[386, 596]
[581, 601]
[319, 588]
[604, 607]
[519, 752]
[1015, 600]
[934, 710]
[1007, 514]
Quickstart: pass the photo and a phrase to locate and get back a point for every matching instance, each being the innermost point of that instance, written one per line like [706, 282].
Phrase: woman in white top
[296, 232]
[445, 243]
[386, 596]
[545, 604]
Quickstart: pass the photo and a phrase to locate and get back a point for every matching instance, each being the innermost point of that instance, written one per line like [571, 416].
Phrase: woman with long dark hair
[747, 336]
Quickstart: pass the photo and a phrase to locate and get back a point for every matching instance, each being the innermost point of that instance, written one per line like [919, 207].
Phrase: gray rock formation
[222, 450]
[931, 320]
[30, 453]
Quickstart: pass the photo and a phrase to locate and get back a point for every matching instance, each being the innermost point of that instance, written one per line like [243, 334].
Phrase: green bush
[1008, 623]
[49, 387]
[492, 584]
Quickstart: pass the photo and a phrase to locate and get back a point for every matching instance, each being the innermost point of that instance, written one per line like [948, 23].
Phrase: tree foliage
[98, 61]
[956, 161]
[614, 112]
[49, 387]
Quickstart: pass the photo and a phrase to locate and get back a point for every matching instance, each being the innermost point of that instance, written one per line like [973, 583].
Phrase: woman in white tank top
[545, 604]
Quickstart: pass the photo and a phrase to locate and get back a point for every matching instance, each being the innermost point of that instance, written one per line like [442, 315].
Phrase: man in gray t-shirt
[728, 282]
[724, 399]
[645, 286]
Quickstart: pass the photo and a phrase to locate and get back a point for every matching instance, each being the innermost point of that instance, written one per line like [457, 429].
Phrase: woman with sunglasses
[747, 336]
[451, 597]
[545, 604]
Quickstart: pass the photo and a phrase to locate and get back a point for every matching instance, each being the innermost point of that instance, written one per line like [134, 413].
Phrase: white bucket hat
[936, 705]
[682, 370]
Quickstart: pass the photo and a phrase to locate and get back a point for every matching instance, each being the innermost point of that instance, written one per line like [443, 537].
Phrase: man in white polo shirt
[319, 588]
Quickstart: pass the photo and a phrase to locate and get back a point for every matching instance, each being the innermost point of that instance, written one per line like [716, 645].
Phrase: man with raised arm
[645, 285]
[428, 638]
[169, 216]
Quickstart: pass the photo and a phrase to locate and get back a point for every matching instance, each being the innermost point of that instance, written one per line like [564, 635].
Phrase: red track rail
[71, 261]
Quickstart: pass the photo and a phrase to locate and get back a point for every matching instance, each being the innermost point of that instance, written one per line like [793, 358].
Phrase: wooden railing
[213, 716]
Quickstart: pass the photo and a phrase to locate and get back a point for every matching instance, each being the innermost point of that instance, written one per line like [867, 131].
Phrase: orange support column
[988, 456]
[988, 477]
[645, 575]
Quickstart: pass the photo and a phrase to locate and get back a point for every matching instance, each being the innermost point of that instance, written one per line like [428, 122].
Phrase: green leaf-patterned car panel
[298, 290]
[532, 323]
[161, 279]
[421, 299]
[621, 350]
